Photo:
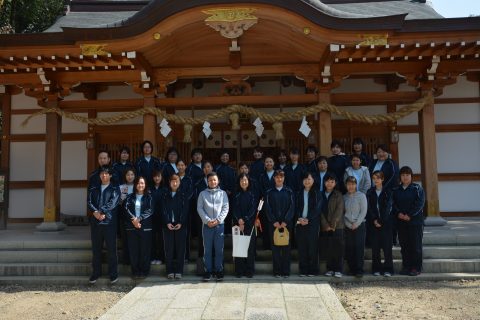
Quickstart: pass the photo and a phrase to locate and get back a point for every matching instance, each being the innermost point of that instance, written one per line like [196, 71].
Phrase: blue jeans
[213, 241]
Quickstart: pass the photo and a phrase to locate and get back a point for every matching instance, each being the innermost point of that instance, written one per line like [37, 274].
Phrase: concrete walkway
[254, 299]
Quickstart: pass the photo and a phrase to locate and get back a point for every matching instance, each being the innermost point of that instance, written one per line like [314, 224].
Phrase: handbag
[281, 237]
[241, 242]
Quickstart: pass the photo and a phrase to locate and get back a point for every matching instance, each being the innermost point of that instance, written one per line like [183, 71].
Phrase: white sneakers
[338, 275]
[156, 262]
[329, 273]
[376, 274]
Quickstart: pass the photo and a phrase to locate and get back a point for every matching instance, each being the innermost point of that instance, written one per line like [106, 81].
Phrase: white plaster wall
[35, 125]
[74, 160]
[118, 92]
[292, 90]
[26, 203]
[73, 201]
[409, 151]
[457, 113]
[137, 120]
[458, 152]
[208, 90]
[27, 161]
[359, 85]
[459, 196]
[187, 91]
[405, 88]
[72, 126]
[21, 101]
[366, 110]
[461, 89]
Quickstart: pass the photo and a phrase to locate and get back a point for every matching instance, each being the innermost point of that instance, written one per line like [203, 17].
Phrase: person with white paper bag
[244, 238]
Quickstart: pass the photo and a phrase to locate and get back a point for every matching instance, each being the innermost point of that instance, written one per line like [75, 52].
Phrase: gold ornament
[231, 22]
[94, 49]
[373, 40]
[234, 118]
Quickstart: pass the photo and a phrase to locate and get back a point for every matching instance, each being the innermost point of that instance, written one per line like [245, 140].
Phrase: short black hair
[145, 142]
[212, 174]
[322, 158]
[358, 141]
[406, 170]
[311, 148]
[104, 151]
[106, 169]
[330, 176]
[335, 143]
[294, 151]
[351, 179]
[195, 150]
[382, 146]
[125, 148]
[258, 149]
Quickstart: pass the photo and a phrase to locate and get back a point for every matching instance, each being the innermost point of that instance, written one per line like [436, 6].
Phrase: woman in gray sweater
[354, 218]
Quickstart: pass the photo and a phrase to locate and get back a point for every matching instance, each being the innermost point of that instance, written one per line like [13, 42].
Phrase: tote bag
[241, 242]
[281, 238]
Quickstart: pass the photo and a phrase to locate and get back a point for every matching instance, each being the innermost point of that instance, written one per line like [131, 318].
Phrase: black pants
[267, 239]
[175, 241]
[334, 244]
[122, 233]
[140, 248]
[281, 256]
[99, 235]
[381, 239]
[158, 252]
[307, 246]
[246, 266]
[355, 248]
[411, 237]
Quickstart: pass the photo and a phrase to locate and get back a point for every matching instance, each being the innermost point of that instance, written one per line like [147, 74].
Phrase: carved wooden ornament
[230, 22]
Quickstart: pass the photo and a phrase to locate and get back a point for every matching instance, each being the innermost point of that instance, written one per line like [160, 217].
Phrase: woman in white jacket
[361, 174]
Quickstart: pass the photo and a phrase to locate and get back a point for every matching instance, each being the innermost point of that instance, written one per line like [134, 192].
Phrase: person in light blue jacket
[212, 207]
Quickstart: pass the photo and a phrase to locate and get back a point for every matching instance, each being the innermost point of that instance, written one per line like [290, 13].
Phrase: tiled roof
[415, 10]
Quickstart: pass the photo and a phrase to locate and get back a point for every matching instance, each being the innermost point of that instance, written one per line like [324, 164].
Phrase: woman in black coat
[380, 219]
[174, 217]
[139, 210]
[244, 212]
[308, 210]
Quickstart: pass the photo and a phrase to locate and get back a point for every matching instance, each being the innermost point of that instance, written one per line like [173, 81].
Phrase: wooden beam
[324, 125]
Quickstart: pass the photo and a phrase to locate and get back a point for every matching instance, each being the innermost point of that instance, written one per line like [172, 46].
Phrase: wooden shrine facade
[234, 48]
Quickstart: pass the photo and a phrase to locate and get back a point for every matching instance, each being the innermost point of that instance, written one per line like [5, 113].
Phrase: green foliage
[28, 16]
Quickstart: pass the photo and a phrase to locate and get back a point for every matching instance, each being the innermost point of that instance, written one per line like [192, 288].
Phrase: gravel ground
[411, 299]
[59, 302]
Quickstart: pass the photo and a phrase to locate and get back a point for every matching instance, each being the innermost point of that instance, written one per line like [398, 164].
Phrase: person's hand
[212, 223]
[136, 223]
[406, 217]
[241, 222]
[401, 216]
[276, 225]
[283, 225]
[98, 215]
[170, 226]
[354, 226]
[242, 227]
[178, 226]
[378, 225]
[304, 222]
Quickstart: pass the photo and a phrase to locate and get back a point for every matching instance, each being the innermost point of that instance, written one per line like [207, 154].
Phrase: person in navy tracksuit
[390, 171]
[282, 160]
[123, 165]
[170, 165]
[408, 202]
[337, 164]
[186, 187]
[146, 164]
[174, 220]
[294, 172]
[157, 191]
[227, 176]
[139, 209]
[308, 209]
[254, 186]
[257, 166]
[311, 159]
[280, 209]
[244, 212]
[103, 159]
[358, 147]
[379, 217]
[102, 202]
[266, 182]
[195, 168]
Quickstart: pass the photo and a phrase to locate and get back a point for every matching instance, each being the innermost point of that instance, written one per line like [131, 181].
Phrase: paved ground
[229, 300]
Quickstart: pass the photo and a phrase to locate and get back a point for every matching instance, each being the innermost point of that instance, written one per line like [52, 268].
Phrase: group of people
[328, 207]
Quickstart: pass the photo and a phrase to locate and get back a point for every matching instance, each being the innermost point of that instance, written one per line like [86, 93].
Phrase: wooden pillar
[428, 159]
[53, 144]
[324, 127]
[150, 121]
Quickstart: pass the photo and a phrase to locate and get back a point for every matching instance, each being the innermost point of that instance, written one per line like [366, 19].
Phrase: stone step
[127, 281]
[72, 269]
[85, 255]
